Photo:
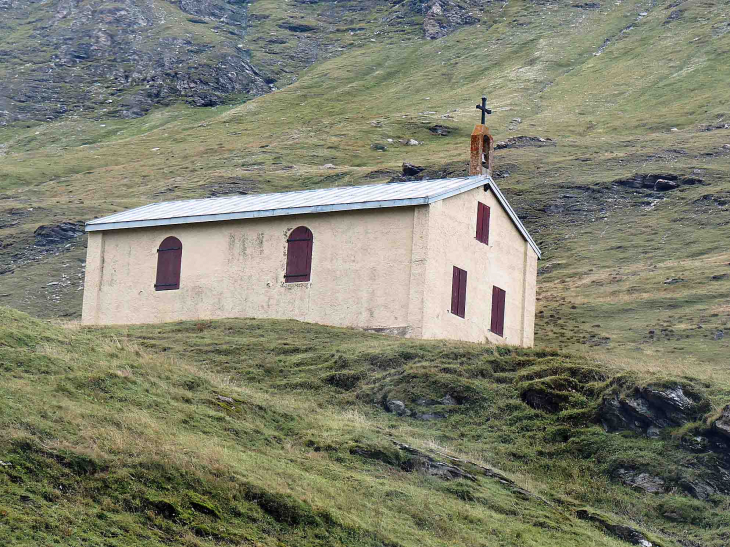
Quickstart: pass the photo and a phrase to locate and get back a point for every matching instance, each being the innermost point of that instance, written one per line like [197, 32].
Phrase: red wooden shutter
[462, 294]
[169, 260]
[458, 292]
[299, 255]
[485, 224]
[498, 301]
[483, 213]
[480, 220]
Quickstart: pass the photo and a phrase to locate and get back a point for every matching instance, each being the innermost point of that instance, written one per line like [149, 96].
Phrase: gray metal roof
[301, 202]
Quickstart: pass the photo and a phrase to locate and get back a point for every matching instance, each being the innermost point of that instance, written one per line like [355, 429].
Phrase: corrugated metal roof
[300, 202]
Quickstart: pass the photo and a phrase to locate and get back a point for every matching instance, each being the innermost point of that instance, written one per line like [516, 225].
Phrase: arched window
[299, 255]
[169, 257]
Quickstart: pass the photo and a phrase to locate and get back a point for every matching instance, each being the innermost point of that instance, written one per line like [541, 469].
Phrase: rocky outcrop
[620, 531]
[721, 425]
[58, 234]
[658, 182]
[640, 480]
[444, 16]
[114, 59]
[649, 409]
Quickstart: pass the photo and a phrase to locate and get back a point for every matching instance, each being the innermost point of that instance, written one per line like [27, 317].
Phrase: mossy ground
[120, 436]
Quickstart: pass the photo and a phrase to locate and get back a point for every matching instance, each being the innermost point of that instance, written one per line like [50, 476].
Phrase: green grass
[117, 436]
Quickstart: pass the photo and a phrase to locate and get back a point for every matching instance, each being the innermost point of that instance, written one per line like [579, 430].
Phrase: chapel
[444, 258]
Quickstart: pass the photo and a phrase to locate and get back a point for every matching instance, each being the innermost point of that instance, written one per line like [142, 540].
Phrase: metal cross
[484, 109]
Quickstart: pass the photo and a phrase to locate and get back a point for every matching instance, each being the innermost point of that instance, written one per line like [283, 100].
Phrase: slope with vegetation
[282, 433]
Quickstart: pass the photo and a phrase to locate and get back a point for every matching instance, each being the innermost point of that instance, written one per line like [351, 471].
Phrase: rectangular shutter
[498, 304]
[485, 224]
[458, 292]
[480, 220]
[483, 213]
[462, 294]
[455, 291]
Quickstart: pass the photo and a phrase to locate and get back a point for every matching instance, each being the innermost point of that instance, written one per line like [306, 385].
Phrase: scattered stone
[328, 166]
[587, 5]
[379, 147]
[642, 481]
[722, 424]
[522, 142]
[719, 335]
[719, 277]
[440, 130]
[46, 236]
[625, 533]
[5, 464]
[673, 280]
[514, 123]
[658, 182]
[397, 407]
[410, 170]
[411, 142]
[223, 399]
[726, 146]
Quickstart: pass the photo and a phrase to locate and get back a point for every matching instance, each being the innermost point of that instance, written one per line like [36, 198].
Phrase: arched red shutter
[299, 255]
[169, 259]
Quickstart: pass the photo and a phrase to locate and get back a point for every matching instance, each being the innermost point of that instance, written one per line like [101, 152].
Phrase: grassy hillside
[248, 432]
[628, 89]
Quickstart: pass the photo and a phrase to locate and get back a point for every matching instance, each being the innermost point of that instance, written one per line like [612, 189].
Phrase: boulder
[397, 407]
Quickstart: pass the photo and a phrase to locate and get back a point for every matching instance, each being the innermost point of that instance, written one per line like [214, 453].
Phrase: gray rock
[698, 488]
[397, 407]
[379, 147]
[624, 533]
[410, 170]
[642, 481]
[722, 424]
[448, 400]
[648, 410]
[46, 236]
[719, 335]
[223, 399]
